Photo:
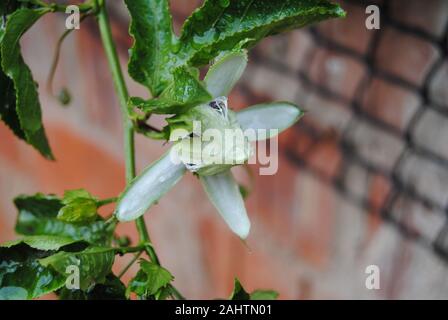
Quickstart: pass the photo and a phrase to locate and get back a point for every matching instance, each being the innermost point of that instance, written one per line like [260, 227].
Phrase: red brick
[238, 100]
[437, 87]
[429, 15]
[221, 249]
[80, 164]
[299, 142]
[426, 177]
[325, 157]
[379, 190]
[343, 31]
[101, 110]
[185, 7]
[271, 201]
[313, 220]
[405, 55]
[390, 103]
[9, 148]
[181, 10]
[327, 114]
[431, 132]
[355, 180]
[376, 146]
[336, 72]
[271, 83]
[290, 49]
[417, 218]
[264, 272]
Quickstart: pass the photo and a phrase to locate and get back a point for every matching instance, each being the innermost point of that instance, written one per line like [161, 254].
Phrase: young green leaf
[72, 195]
[150, 281]
[27, 100]
[151, 55]
[38, 216]
[95, 263]
[184, 92]
[264, 295]
[238, 292]
[80, 206]
[79, 210]
[224, 25]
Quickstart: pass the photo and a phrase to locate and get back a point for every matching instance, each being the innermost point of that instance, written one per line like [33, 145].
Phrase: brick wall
[362, 179]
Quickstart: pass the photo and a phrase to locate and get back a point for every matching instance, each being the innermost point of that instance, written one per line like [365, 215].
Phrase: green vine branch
[129, 145]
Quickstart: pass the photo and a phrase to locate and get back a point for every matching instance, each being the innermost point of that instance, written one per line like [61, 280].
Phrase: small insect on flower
[209, 157]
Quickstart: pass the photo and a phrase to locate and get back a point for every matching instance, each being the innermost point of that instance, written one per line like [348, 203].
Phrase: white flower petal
[274, 115]
[225, 73]
[148, 187]
[226, 197]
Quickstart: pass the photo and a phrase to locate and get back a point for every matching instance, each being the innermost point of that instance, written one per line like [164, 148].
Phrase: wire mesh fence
[398, 144]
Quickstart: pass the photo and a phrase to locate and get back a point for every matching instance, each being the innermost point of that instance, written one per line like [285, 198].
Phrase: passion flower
[214, 158]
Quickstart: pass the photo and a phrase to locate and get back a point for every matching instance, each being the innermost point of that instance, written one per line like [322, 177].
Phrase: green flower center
[216, 141]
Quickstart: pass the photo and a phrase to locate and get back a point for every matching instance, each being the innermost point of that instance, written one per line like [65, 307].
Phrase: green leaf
[151, 56]
[44, 243]
[184, 92]
[79, 210]
[95, 263]
[7, 93]
[38, 216]
[238, 292]
[111, 289]
[33, 265]
[20, 268]
[264, 295]
[13, 293]
[9, 6]
[72, 195]
[150, 281]
[8, 105]
[27, 104]
[80, 206]
[222, 25]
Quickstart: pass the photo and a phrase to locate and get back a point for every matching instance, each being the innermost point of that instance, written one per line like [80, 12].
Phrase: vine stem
[135, 258]
[122, 92]
[124, 250]
[104, 202]
[123, 95]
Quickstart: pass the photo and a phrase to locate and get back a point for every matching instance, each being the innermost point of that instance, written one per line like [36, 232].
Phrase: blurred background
[362, 178]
